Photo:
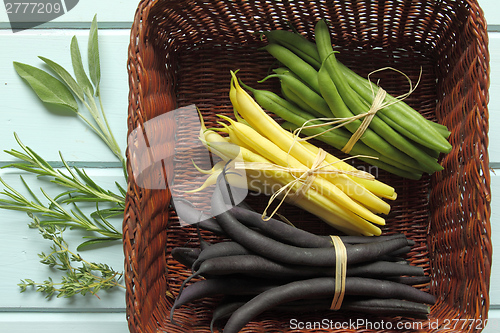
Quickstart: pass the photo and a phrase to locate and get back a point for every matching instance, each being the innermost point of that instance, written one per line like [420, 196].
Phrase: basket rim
[132, 224]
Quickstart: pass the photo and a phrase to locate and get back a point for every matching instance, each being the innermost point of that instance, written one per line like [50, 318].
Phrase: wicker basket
[181, 53]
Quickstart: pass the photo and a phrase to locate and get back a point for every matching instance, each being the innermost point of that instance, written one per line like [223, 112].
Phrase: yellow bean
[336, 214]
[263, 123]
[270, 151]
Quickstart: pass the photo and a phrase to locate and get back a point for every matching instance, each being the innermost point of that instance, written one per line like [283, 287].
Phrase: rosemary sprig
[81, 186]
[81, 276]
[63, 211]
[55, 214]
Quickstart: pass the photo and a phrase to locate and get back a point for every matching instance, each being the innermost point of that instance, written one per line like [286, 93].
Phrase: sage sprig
[48, 88]
[52, 215]
[61, 93]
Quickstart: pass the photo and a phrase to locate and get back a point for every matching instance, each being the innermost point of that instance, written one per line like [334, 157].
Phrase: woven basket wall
[181, 53]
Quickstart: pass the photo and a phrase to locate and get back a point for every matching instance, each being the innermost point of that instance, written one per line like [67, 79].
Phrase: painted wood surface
[49, 132]
[23, 113]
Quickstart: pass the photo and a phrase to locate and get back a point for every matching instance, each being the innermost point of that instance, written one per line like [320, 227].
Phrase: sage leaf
[81, 76]
[66, 77]
[49, 89]
[93, 55]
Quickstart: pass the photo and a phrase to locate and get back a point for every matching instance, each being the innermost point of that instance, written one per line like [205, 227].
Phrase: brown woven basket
[181, 53]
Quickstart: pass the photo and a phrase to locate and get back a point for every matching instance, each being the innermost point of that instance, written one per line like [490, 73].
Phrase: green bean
[440, 128]
[400, 113]
[293, 98]
[290, 95]
[289, 59]
[356, 105]
[300, 89]
[296, 43]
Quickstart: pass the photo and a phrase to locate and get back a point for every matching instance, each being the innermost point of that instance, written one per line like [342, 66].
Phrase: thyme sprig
[65, 210]
[81, 276]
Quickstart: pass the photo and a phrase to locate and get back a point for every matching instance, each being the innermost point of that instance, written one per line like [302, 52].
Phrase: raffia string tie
[378, 104]
[340, 272]
[302, 177]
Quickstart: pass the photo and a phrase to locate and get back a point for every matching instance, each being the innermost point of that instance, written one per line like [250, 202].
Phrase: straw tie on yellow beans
[314, 202]
[376, 187]
[331, 189]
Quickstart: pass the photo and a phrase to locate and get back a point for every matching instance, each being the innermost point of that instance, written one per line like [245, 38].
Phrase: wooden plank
[48, 322]
[23, 245]
[495, 236]
[111, 14]
[491, 13]
[493, 322]
[48, 131]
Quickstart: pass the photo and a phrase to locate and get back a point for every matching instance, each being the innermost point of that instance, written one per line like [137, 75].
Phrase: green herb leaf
[93, 54]
[65, 76]
[94, 241]
[80, 277]
[108, 213]
[81, 76]
[49, 89]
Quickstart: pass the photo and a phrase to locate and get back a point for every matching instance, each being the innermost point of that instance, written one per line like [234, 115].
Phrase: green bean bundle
[316, 88]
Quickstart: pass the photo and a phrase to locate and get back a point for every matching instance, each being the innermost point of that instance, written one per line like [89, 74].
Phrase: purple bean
[255, 265]
[280, 230]
[221, 249]
[189, 214]
[410, 280]
[186, 255]
[378, 306]
[222, 286]
[319, 288]
[390, 307]
[289, 234]
[284, 253]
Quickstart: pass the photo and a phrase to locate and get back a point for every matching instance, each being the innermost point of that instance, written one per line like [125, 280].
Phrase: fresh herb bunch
[88, 277]
[65, 209]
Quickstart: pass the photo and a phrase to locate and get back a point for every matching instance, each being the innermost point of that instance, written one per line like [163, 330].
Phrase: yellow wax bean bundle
[332, 190]
[281, 165]
[332, 213]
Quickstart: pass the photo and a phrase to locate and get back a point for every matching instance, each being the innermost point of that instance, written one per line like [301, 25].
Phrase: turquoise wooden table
[49, 132]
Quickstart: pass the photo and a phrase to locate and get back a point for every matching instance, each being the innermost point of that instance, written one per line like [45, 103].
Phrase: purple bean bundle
[272, 265]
